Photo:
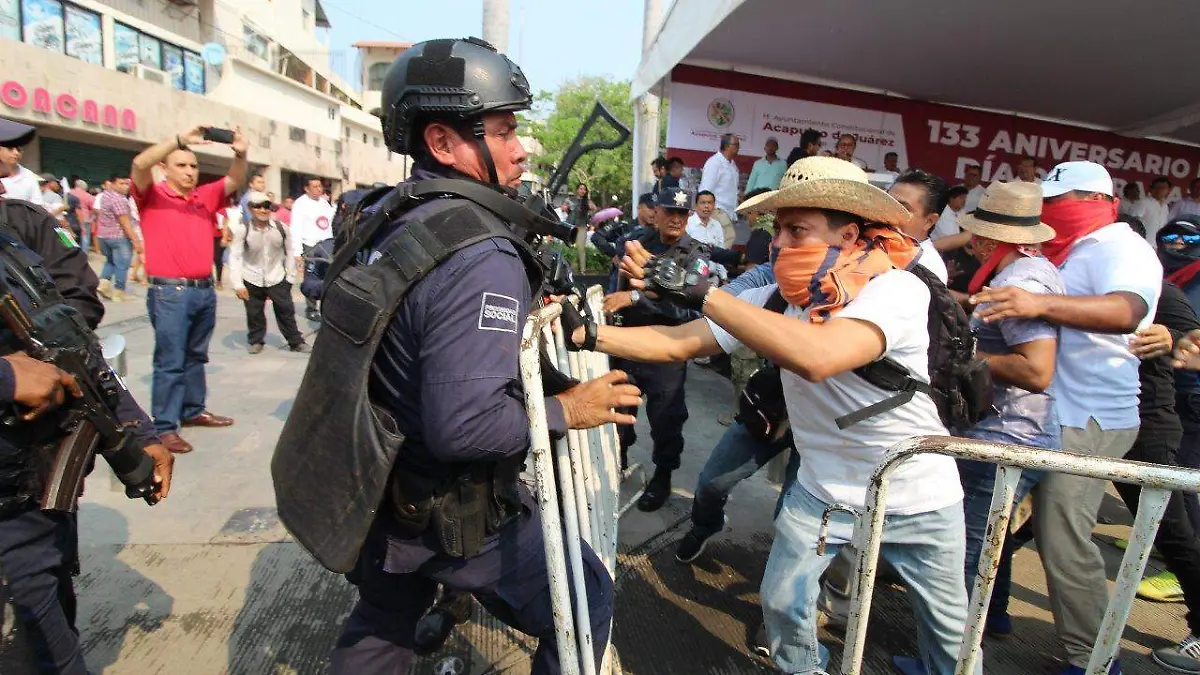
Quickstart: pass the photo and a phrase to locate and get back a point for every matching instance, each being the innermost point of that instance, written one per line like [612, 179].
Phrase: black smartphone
[218, 135]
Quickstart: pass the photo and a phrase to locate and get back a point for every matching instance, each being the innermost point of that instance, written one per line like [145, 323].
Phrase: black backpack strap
[364, 234]
[776, 303]
[889, 375]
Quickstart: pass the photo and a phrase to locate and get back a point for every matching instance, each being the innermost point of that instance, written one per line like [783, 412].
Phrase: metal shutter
[92, 163]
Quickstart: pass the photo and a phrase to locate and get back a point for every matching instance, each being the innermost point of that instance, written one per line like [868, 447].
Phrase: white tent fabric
[1115, 66]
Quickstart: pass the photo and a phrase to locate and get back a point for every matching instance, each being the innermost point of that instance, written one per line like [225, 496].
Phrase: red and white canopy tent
[942, 83]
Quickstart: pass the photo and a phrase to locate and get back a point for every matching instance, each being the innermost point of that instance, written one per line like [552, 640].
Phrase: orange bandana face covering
[826, 278]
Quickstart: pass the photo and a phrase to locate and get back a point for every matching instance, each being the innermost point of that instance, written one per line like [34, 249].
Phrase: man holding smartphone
[178, 219]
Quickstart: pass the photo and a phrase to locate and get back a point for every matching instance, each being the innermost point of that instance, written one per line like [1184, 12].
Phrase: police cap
[451, 80]
[675, 198]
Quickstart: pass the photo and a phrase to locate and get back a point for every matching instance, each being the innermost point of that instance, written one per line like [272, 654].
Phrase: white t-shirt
[23, 185]
[1097, 375]
[947, 224]
[837, 465]
[311, 223]
[973, 196]
[712, 234]
[720, 177]
[1153, 214]
[932, 260]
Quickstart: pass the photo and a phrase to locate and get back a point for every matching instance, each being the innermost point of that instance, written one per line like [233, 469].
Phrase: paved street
[210, 583]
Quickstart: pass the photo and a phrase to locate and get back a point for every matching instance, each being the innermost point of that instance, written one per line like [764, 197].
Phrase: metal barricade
[1157, 482]
[578, 484]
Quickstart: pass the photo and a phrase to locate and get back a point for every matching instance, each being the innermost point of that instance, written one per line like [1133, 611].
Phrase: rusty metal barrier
[578, 485]
[1157, 482]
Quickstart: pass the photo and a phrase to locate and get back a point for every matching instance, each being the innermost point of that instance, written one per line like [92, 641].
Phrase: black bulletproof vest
[332, 464]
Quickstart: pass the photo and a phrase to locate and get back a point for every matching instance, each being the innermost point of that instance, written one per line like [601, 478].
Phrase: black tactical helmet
[448, 80]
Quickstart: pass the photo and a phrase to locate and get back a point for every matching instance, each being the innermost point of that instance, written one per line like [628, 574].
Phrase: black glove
[681, 285]
[572, 319]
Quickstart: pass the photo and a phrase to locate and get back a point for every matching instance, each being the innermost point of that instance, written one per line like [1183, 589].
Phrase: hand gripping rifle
[55, 333]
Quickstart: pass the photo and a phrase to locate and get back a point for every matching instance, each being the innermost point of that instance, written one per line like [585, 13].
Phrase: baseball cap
[1082, 176]
[674, 198]
[14, 134]
[256, 197]
[46, 178]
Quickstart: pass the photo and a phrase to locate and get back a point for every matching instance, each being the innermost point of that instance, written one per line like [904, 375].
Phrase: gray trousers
[1065, 509]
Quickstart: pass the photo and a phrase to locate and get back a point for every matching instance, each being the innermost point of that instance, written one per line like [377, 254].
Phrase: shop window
[375, 76]
[149, 51]
[42, 24]
[256, 43]
[125, 43]
[173, 64]
[193, 72]
[55, 25]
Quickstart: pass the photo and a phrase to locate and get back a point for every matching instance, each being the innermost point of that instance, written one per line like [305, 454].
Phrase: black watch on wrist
[589, 336]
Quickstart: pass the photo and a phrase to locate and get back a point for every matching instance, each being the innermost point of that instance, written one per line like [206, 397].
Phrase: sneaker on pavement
[105, 288]
[690, 547]
[1162, 587]
[255, 349]
[760, 645]
[657, 491]
[1114, 669]
[118, 295]
[1182, 659]
[301, 348]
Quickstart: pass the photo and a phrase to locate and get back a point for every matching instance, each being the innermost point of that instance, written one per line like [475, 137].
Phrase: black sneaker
[301, 348]
[453, 608]
[760, 645]
[657, 492]
[312, 315]
[690, 547]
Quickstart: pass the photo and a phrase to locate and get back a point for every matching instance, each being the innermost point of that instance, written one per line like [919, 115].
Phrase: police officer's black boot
[657, 491]
[434, 628]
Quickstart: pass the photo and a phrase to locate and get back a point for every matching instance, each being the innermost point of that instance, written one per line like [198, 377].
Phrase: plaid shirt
[112, 206]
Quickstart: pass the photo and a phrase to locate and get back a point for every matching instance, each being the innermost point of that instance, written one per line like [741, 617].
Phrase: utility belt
[462, 509]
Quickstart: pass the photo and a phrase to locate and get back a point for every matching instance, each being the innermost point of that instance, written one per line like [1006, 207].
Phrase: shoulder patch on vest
[499, 312]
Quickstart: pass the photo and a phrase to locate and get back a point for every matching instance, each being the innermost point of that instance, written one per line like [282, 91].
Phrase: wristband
[589, 336]
[707, 294]
[634, 296]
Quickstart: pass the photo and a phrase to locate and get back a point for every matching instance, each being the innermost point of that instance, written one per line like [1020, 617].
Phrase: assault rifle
[56, 333]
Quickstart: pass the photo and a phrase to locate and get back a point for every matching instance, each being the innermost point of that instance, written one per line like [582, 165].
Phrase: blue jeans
[978, 481]
[926, 549]
[118, 253]
[183, 320]
[734, 458]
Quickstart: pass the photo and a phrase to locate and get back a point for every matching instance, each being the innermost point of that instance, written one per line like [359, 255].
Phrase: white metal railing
[578, 485]
[1157, 482]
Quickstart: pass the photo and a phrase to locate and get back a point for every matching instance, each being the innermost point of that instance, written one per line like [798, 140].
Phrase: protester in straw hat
[847, 306]
[1021, 354]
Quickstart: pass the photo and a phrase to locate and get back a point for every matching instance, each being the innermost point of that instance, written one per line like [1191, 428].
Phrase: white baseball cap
[1082, 176]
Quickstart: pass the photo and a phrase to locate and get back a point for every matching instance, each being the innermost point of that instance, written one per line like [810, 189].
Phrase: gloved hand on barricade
[574, 317]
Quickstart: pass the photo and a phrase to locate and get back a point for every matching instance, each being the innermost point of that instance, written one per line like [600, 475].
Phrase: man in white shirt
[1153, 209]
[844, 150]
[1027, 171]
[973, 181]
[260, 269]
[925, 196]
[312, 219]
[720, 175]
[702, 227]
[1113, 281]
[52, 199]
[21, 183]
[884, 315]
[1189, 205]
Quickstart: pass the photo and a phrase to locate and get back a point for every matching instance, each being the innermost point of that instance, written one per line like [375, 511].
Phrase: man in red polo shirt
[177, 233]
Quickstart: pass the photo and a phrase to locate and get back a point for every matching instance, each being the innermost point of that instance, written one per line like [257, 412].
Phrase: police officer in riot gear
[38, 548]
[414, 379]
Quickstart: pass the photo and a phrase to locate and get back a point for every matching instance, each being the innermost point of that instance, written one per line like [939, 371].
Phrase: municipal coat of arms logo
[720, 112]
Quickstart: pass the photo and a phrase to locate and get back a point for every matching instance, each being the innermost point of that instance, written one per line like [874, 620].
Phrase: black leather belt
[171, 281]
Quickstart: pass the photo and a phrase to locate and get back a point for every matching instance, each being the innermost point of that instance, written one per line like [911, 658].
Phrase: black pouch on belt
[459, 517]
[412, 498]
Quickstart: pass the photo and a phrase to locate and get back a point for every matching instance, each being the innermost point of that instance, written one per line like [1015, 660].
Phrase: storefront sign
[941, 139]
[67, 107]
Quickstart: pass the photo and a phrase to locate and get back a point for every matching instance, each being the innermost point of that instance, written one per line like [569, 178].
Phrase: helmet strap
[481, 141]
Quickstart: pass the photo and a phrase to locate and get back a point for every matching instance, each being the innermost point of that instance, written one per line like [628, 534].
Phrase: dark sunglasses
[261, 205]
[1187, 238]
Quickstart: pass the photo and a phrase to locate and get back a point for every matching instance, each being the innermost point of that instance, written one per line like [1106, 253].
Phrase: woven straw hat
[830, 183]
[1009, 212]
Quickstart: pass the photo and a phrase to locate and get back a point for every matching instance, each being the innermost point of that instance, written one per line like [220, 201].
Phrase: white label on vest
[499, 312]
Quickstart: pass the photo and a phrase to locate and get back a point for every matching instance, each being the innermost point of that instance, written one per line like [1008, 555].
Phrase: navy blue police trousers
[397, 581]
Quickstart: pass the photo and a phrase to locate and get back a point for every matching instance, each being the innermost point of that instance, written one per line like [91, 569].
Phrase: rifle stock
[64, 485]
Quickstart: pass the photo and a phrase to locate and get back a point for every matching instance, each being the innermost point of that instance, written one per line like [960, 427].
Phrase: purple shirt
[112, 206]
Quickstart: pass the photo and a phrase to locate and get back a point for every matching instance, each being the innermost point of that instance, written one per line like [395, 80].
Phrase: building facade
[103, 80]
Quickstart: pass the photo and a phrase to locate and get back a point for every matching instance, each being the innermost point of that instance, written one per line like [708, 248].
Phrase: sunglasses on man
[263, 205]
[1175, 238]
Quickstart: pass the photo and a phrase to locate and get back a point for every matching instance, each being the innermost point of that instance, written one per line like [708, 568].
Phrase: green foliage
[597, 262]
[556, 119]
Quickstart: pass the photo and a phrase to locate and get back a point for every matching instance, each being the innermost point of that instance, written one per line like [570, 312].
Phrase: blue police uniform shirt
[447, 368]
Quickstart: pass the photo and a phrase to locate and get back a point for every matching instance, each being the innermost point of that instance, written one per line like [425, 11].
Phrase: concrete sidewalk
[209, 582]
